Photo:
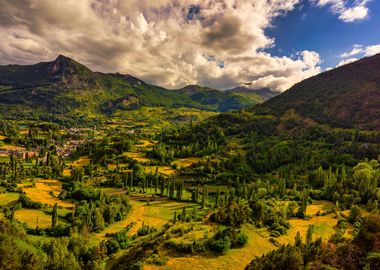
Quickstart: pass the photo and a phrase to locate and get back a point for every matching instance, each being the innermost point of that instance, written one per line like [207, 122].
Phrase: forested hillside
[348, 96]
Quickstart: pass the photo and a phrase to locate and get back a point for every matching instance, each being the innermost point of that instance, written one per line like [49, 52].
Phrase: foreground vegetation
[152, 190]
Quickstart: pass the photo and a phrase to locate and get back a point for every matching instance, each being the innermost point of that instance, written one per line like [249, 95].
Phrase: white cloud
[372, 50]
[167, 42]
[346, 61]
[362, 51]
[357, 49]
[348, 11]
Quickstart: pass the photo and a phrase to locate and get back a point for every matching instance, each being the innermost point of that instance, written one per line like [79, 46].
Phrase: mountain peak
[67, 70]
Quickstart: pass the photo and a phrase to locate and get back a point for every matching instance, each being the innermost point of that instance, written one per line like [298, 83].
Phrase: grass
[186, 162]
[235, 259]
[139, 157]
[13, 147]
[165, 170]
[82, 161]
[9, 197]
[156, 214]
[138, 216]
[323, 225]
[43, 191]
[31, 217]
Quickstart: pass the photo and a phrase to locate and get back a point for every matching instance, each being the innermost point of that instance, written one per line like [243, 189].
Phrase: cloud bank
[361, 50]
[348, 11]
[166, 42]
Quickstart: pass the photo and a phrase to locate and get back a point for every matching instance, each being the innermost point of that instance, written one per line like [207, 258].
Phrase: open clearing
[31, 217]
[13, 147]
[138, 216]
[139, 157]
[186, 162]
[258, 243]
[9, 197]
[43, 191]
[234, 259]
[165, 170]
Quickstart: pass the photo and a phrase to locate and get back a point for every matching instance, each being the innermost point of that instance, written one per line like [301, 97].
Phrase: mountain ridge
[65, 86]
[347, 96]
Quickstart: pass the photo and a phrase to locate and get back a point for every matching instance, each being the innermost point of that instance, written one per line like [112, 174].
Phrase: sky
[214, 43]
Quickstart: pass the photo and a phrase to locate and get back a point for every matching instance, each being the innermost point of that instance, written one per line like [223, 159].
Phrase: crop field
[138, 216]
[9, 197]
[46, 192]
[33, 218]
[235, 259]
[13, 147]
[138, 156]
[186, 162]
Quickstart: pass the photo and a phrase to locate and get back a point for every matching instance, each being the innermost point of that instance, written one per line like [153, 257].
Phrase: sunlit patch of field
[82, 161]
[165, 170]
[33, 217]
[43, 191]
[138, 216]
[2, 137]
[113, 190]
[317, 206]
[24, 131]
[7, 198]
[139, 157]
[166, 208]
[238, 259]
[186, 162]
[13, 147]
[323, 225]
[66, 172]
[145, 144]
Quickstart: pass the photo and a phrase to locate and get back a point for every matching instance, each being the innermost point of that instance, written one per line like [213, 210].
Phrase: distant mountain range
[348, 96]
[65, 88]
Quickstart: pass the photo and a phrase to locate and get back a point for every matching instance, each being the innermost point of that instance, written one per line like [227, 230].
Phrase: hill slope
[348, 96]
[258, 95]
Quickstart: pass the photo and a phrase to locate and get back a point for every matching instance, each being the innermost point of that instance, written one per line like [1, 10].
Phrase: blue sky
[309, 27]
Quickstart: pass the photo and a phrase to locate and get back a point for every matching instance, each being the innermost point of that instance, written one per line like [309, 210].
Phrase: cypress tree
[54, 216]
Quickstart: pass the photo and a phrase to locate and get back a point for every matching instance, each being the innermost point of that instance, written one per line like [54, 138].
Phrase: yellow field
[258, 243]
[137, 216]
[8, 197]
[41, 193]
[82, 161]
[13, 147]
[31, 217]
[24, 131]
[235, 259]
[139, 157]
[2, 137]
[145, 143]
[323, 225]
[186, 162]
[66, 172]
[165, 170]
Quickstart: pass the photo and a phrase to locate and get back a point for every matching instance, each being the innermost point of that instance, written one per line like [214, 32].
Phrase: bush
[221, 246]
[112, 246]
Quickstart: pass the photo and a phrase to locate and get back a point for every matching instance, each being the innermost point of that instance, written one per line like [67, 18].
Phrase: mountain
[64, 89]
[256, 95]
[348, 96]
[219, 100]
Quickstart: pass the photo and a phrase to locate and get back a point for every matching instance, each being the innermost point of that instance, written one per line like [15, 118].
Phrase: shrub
[221, 246]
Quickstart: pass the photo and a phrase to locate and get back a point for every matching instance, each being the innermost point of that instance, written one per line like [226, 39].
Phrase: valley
[176, 187]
